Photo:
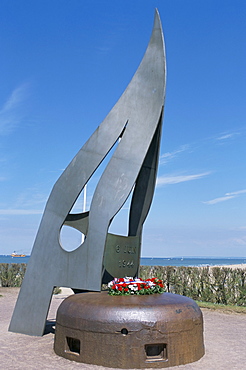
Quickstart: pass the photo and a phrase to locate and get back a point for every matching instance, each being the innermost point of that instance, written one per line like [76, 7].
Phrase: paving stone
[225, 341]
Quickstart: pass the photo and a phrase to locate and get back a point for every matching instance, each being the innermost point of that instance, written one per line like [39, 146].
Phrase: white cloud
[224, 137]
[29, 202]
[17, 212]
[29, 198]
[10, 114]
[240, 241]
[164, 158]
[176, 179]
[220, 199]
[239, 228]
[237, 192]
[226, 197]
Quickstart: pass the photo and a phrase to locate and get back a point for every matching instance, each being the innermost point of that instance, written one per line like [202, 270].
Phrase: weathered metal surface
[122, 253]
[121, 257]
[136, 118]
[154, 331]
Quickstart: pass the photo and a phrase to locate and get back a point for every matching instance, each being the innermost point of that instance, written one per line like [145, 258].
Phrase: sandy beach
[239, 266]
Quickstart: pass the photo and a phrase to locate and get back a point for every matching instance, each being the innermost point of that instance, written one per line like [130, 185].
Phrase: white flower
[133, 287]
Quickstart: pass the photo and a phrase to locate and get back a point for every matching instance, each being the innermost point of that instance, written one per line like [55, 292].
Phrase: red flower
[121, 280]
[126, 289]
[120, 288]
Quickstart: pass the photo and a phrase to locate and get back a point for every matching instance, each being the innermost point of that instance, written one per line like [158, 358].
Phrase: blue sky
[63, 66]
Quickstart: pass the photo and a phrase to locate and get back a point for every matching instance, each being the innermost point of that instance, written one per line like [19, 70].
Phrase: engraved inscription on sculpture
[128, 250]
[122, 254]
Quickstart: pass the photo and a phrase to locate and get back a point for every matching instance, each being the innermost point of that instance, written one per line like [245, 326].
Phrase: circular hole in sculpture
[70, 238]
[124, 331]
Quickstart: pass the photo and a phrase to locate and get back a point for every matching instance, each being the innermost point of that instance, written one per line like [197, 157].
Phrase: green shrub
[57, 290]
[12, 274]
[222, 285]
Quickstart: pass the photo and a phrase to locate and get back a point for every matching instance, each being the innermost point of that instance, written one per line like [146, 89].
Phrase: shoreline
[241, 266]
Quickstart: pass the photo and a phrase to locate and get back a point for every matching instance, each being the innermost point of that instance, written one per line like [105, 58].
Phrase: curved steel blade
[134, 118]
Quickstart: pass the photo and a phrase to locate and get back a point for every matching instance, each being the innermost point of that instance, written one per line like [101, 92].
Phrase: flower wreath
[130, 286]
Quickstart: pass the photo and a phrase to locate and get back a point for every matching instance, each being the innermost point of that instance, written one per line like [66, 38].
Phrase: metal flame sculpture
[137, 119]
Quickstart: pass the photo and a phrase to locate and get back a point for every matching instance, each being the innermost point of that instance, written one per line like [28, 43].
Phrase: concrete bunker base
[147, 331]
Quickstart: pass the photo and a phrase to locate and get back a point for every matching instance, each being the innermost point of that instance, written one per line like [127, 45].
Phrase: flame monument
[155, 338]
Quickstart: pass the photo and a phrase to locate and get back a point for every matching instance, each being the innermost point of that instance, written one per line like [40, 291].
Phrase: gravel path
[225, 341]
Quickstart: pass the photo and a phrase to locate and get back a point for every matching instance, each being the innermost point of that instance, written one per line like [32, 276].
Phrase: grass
[222, 307]
[57, 290]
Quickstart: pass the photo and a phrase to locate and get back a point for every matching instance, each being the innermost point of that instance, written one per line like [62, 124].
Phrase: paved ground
[225, 342]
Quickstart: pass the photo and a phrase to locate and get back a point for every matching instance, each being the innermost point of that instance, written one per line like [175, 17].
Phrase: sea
[153, 261]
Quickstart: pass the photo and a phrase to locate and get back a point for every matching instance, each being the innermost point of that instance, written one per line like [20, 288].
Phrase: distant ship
[17, 255]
